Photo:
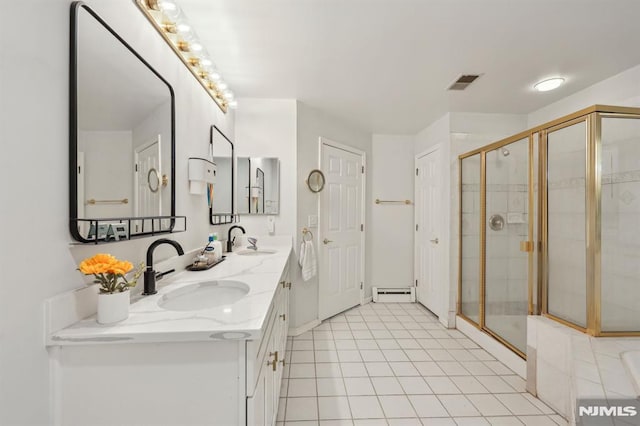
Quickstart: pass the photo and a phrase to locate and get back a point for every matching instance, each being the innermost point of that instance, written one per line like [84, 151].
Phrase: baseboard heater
[394, 295]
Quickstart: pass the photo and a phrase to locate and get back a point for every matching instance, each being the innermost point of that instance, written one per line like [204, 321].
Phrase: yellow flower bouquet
[110, 273]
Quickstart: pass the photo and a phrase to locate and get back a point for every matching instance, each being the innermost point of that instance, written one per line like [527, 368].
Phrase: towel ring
[306, 232]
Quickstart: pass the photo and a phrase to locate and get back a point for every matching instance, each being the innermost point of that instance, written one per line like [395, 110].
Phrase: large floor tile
[365, 407]
[301, 409]
[334, 407]
[396, 406]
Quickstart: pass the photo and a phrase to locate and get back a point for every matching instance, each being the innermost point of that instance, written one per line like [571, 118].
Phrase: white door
[428, 226]
[341, 235]
[148, 184]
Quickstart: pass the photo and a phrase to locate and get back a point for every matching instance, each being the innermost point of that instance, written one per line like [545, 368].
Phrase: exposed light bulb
[170, 10]
[549, 84]
[233, 104]
[222, 85]
[228, 95]
[196, 47]
[206, 62]
[215, 76]
[167, 6]
[183, 28]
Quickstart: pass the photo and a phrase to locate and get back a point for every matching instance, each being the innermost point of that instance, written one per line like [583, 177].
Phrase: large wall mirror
[258, 189]
[222, 200]
[122, 142]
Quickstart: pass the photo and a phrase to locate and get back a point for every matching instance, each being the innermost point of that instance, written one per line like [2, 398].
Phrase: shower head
[505, 152]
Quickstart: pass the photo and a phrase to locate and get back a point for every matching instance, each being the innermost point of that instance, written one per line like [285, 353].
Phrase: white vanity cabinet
[266, 361]
[227, 378]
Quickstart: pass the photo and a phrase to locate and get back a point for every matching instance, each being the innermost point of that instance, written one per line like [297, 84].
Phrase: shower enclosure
[550, 225]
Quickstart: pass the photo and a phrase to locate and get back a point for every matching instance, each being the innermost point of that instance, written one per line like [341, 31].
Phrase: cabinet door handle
[283, 363]
[288, 285]
[274, 355]
[327, 241]
[284, 284]
[284, 317]
[273, 364]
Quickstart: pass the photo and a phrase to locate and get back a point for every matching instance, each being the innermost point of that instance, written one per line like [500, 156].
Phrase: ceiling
[384, 65]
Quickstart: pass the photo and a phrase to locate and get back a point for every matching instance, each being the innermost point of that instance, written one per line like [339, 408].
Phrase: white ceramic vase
[113, 307]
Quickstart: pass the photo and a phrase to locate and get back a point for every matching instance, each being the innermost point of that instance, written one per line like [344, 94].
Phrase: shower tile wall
[507, 196]
[506, 265]
[620, 224]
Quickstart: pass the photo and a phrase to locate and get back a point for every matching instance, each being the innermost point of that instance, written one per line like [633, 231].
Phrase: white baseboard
[495, 348]
[304, 328]
[367, 300]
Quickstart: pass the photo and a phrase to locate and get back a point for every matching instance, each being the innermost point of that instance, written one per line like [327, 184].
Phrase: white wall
[620, 90]
[36, 258]
[436, 133]
[267, 128]
[392, 177]
[108, 171]
[313, 124]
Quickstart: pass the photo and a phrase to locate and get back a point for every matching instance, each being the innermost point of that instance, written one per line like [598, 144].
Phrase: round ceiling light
[549, 84]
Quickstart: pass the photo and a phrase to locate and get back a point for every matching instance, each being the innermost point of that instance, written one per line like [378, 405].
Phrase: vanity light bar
[167, 18]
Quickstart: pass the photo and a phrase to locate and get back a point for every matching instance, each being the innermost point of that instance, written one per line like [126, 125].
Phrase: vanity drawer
[258, 350]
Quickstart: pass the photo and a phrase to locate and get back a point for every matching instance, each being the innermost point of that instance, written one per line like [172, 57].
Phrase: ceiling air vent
[463, 81]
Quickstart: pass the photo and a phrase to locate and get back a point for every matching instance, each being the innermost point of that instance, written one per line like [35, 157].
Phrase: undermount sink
[258, 252]
[204, 295]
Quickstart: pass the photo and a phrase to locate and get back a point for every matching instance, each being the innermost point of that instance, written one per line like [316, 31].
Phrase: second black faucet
[230, 240]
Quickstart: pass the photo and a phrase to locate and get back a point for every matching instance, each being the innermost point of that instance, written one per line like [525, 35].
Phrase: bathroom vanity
[190, 354]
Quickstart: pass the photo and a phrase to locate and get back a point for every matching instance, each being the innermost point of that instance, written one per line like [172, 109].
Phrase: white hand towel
[307, 260]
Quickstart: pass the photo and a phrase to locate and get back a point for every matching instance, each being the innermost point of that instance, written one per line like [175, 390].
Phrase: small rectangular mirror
[258, 190]
[222, 205]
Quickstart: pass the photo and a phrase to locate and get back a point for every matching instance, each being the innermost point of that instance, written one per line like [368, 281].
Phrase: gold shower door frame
[483, 232]
[538, 279]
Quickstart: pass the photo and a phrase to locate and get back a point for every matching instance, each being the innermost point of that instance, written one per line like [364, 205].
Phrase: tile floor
[395, 364]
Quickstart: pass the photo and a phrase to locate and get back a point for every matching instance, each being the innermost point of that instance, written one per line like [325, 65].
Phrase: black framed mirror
[222, 209]
[121, 137]
[258, 186]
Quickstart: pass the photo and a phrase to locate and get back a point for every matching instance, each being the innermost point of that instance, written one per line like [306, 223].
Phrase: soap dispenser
[217, 246]
[210, 249]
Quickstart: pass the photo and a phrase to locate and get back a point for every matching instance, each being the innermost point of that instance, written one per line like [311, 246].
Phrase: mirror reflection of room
[222, 156]
[123, 132]
[258, 185]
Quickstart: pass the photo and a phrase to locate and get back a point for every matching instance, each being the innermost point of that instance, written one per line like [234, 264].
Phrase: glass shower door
[508, 243]
[470, 238]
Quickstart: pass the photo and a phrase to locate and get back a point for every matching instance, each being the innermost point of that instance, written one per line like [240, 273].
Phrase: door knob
[327, 241]
[434, 241]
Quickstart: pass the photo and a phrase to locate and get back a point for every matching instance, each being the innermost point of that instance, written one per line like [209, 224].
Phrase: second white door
[341, 231]
[428, 235]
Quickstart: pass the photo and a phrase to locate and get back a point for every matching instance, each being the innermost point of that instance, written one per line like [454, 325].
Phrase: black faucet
[150, 275]
[229, 240]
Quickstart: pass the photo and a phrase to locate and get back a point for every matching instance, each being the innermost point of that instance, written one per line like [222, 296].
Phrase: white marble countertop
[149, 323]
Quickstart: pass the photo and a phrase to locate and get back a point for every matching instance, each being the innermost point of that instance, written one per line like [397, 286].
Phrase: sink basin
[204, 295]
[259, 252]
